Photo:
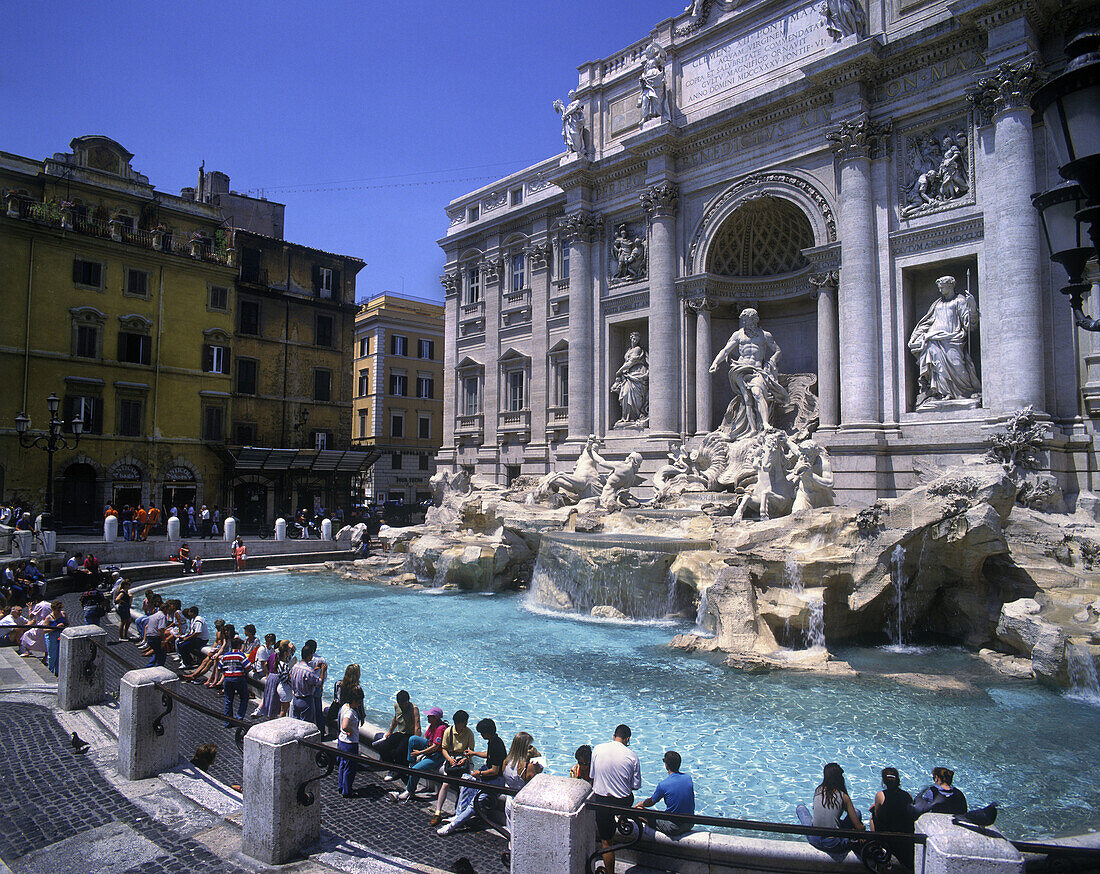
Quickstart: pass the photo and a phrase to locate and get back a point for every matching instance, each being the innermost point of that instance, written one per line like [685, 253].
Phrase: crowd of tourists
[292, 680]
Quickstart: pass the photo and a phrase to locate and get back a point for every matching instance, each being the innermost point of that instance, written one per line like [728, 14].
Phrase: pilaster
[451, 284]
[661, 204]
[581, 229]
[704, 411]
[828, 350]
[539, 257]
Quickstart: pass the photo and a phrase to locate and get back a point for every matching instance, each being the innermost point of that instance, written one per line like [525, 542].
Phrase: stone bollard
[229, 529]
[75, 688]
[173, 528]
[22, 544]
[280, 529]
[952, 849]
[49, 541]
[110, 529]
[326, 529]
[141, 751]
[276, 828]
[551, 831]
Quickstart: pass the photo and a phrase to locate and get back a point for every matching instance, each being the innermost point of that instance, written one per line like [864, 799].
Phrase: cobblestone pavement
[396, 830]
[59, 809]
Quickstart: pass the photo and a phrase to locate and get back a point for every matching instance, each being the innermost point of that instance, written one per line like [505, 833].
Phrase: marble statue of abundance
[572, 124]
[946, 371]
[753, 357]
[652, 99]
[631, 384]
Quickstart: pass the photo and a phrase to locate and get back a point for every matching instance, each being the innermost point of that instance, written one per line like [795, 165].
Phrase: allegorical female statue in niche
[946, 371]
[652, 99]
[631, 384]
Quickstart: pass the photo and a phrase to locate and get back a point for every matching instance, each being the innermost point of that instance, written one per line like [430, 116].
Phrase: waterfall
[895, 625]
[701, 614]
[442, 568]
[813, 636]
[1083, 681]
[793, 572]
[815, 630]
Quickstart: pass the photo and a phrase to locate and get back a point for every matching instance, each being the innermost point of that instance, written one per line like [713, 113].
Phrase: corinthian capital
[450, 283]
[660, 200]
[583, 227]
[702, 304]
[858, 137]
[491, 269]
[1009, 87]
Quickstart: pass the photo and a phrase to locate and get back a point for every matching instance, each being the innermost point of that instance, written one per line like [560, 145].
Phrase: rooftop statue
[845, 18]
[946, 371]
[572, 124]
[654, 97]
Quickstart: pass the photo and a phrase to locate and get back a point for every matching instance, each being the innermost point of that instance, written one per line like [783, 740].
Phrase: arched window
[763, 237]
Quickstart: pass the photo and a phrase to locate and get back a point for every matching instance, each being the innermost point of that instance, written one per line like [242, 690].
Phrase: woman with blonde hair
[520, 767]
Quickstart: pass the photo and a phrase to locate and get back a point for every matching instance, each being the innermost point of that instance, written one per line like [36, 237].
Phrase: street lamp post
[50, 442]
[1070, 106]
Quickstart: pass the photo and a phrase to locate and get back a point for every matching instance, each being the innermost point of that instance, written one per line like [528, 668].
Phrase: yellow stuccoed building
[123, 301]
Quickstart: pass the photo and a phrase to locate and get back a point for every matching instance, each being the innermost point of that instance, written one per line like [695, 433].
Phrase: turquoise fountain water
[755, 744]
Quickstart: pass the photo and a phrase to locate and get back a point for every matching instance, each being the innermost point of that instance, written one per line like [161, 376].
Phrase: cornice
[940, 236]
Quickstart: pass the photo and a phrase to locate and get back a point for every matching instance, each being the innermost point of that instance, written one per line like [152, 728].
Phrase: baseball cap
[434, 711]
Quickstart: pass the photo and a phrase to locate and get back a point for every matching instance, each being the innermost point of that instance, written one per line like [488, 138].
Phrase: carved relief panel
[936, 167]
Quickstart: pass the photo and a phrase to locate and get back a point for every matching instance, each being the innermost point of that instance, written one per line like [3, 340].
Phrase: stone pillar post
[551, 832]
[952, 848]
[660, 203]
[452, 285]
[860, 399]
[492, 277]
[141, 751]
[581, 229]
[828, 353]
[75, 688]
[538, 256]
[704, 394]
[1016, 308]
[275, 827]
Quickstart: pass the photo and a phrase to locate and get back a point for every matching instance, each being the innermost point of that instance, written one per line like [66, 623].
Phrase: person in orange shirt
[141, 521]
[239, 553]
[110, 511]
[152, 517]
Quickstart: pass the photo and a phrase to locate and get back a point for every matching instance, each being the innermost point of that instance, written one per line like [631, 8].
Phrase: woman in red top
[425, 752]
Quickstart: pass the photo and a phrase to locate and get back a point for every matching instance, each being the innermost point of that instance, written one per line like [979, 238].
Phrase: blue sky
[341, 110]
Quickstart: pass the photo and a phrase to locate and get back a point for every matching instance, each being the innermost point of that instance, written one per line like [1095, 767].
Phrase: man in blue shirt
[678, 791]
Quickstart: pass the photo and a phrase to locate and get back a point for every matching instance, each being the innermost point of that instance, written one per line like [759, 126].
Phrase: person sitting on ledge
[74, 567]
[212, 656]
[424, 752]
[456, 740]
[392, 744]
[892, 812]
[941, 796]
[583, 769]
[494, 755]
[833, 808]
[678, 791]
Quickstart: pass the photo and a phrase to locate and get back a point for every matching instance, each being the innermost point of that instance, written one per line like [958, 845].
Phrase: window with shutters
[322, 440]
[215, 358]
[246, 376]
[364, 347]
[136, 283]
[473, 285]
[323, 331]
[425, 461]
[395, 461]
[426, 349]
[244, 433]
[250, 266]
[134, 348]
[425, 387]
[399, 345]
[213, 422]
[322, 384]
[516, 380]
[397, 425]
[399, 385]
[87, 273]
[364, 383]
[219, 298]
[90, 410]
[87, 341]
[129, 422]
[364, 423]
[424, 427]
[471, 395]
[248, 321]
[326, 282]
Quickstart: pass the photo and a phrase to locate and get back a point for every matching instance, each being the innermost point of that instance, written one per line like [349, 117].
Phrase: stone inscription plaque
[625, 114]
[754, 54]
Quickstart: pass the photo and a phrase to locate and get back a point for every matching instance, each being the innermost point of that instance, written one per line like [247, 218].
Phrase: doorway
[78, 496]
[250, 506]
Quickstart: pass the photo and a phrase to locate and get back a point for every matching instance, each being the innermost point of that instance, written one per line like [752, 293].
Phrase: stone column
[538, 257]
[275, 827]
[551, 831]
[828, 353]
[951, 848]
[660, 203]
[452, 283]
[492, 278]
[704, 394]
[581, 230]
[141, 751]
[860, 398]
[1016, 308]
[75, 688]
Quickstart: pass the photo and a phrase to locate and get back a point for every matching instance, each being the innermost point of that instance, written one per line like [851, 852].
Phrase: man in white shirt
[189, 645]
[13, 620]
[616, 773]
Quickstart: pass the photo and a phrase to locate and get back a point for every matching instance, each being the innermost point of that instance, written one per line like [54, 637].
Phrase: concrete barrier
[141, 751]
[75, 688]
[952, 849]
[276, 828]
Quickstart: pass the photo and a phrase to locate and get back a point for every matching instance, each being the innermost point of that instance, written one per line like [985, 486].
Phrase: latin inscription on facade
[921, 80]
[625, 114]
[754, 136]
[788, 39]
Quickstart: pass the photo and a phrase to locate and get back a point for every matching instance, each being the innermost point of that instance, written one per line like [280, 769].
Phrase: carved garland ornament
[777, 178]
[1010, 86]
[491, 269]
[583, 227]
[538, 255]
[858, 137]
[450, 282]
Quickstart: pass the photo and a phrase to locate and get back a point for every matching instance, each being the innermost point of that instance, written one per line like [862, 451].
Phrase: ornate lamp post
[1070, 106]
[50, 442]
